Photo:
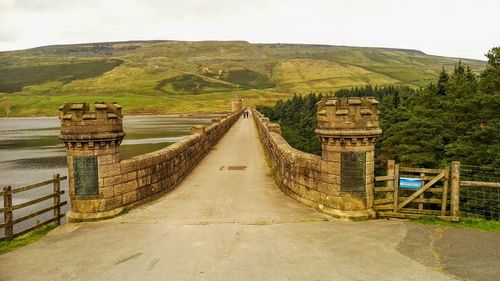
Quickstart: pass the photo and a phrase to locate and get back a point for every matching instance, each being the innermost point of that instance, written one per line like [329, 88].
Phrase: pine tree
[490, 77]
[442, 80]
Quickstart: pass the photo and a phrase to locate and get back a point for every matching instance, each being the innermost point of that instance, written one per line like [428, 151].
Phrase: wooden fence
[8, 208]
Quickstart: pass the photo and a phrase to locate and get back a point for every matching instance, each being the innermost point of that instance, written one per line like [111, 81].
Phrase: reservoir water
[30, 152]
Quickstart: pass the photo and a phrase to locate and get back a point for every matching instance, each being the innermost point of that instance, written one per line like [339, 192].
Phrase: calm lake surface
[30, 151]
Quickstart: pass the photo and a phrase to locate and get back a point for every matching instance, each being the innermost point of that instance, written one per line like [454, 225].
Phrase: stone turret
[92, 140]
[348, 129]
[236, 105]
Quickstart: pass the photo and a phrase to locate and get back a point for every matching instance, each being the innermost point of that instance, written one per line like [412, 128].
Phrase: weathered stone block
[105, 159]
[110, 203]
[100, 181]
[142, 173]
[330, 178]
[109, 170]
[106, 192]
[156, 187]
[330, 156]
[330, 167]
[302, 180]
[146, 180]
[131, 176]
[353, 204]
[370, 156]
[128, 165]
[313, 195]
[129, 197]
[370, 179]
[370, 168]
[106, 150]
[110, 181]
[126, 187]
[324, 187]
[86, 205]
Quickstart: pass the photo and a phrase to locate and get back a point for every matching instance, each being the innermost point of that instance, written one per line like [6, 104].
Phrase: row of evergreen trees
[456, 118]
[297, 117]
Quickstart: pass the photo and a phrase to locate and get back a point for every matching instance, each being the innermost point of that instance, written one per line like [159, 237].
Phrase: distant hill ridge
[142, 42]
[186, 76]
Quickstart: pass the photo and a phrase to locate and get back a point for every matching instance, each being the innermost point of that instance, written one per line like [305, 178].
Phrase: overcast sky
[441, 27]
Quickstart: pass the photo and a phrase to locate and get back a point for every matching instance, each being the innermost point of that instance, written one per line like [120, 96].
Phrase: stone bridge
[339, 183]
[230, 205]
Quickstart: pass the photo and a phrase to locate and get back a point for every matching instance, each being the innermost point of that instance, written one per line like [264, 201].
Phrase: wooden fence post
[455, 189]
[396, 187]
[57, 199]
[7, 215]
[390, 172]
[422, 183]
[444, 199]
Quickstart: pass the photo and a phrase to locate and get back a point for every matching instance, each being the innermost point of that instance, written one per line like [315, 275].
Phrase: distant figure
[245, 114]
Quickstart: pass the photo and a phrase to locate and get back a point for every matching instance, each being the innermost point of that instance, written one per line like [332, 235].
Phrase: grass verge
[477, 224]
[7, 246]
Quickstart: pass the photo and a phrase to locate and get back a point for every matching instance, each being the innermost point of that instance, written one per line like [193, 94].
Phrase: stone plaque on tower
[86, 178]
[353, 172]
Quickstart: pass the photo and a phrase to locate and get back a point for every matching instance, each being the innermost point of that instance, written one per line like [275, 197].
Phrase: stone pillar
[348, 129]
[92, 140]
[236, 105]
[198, 129]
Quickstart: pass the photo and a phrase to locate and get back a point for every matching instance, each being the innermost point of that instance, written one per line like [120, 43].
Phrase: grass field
[163, 77]
[191, 84]
[14, 79]
[7, 246]
[477, 224]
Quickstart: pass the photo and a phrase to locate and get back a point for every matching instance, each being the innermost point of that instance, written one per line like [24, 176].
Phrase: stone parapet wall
[125, 184]
[308, 178]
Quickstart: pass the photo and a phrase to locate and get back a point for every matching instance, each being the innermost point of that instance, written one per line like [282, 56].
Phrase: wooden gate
[425, 192]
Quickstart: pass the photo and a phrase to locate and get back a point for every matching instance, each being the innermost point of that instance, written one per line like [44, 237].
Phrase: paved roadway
[229, 222]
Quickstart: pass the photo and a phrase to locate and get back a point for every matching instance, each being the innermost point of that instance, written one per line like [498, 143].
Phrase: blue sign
[410, 183]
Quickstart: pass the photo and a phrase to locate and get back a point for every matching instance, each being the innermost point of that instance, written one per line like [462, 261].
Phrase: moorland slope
[161, 77]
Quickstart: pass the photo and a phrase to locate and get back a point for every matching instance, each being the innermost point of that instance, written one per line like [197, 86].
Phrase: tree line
[456, 118]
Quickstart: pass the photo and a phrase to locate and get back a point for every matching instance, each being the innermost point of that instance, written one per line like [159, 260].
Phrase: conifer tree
[442, 80]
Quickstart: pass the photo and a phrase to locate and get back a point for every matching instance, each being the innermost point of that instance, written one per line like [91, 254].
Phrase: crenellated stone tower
[348, 129]
[92, 140]
[236, 105]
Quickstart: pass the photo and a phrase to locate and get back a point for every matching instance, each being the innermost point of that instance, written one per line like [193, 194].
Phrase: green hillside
[186, 77]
